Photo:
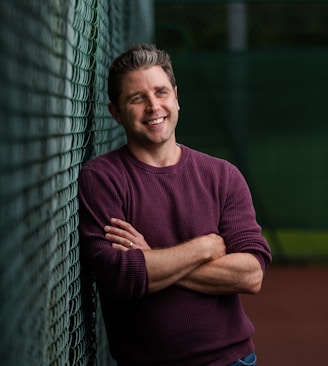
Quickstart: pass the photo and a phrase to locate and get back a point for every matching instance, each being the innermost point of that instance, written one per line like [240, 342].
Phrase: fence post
[237, 25]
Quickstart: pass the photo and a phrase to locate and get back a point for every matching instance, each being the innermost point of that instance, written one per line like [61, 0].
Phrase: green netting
[53, 101]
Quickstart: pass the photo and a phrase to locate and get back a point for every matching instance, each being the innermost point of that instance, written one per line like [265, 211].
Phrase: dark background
[261, 104]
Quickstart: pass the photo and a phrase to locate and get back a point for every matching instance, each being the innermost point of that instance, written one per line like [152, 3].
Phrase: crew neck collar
[165, 169]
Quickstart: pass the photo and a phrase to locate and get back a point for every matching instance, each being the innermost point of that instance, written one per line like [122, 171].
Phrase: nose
[152, 105]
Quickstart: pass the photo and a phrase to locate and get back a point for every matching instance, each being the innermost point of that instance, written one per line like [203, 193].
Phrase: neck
[158, 156]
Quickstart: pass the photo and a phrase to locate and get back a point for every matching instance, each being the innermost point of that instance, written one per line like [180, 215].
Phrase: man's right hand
[214, 244]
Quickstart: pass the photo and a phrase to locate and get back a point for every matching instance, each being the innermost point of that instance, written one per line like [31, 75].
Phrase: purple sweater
[199, 195]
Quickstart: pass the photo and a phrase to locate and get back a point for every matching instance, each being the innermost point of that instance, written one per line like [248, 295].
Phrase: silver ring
[131, 244]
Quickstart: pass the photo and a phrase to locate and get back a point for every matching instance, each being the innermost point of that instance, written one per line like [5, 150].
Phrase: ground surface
[291, 316]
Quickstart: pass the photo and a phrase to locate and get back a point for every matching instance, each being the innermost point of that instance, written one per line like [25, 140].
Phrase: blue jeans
[249, 360]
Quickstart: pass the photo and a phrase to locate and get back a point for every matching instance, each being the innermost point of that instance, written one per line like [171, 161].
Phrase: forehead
[150, 77]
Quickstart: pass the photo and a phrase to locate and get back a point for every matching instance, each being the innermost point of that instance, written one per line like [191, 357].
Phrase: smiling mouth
[153, 122]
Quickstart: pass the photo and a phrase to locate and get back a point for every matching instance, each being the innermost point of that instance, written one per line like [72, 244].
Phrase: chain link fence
[53, 101]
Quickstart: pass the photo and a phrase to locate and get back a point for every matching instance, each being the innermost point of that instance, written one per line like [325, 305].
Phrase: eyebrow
[140, 92]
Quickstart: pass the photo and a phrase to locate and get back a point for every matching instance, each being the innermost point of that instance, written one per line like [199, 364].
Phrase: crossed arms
[200, 264]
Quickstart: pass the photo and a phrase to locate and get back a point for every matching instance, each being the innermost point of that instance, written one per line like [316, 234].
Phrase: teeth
[156, 121]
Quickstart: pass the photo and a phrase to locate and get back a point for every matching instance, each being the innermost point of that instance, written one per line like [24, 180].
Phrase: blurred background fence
[252, 80]
[253, 88]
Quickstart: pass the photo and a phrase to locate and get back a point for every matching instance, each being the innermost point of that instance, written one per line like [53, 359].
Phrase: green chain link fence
[53, 101]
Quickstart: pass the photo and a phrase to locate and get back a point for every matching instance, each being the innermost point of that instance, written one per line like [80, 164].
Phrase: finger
[117, 239]
[121, 240]
[120, 247]
[126, 245]
[112, 230]
[124, 225]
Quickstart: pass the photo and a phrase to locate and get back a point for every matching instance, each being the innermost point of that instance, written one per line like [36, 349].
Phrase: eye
[136, 99]
[162, 92]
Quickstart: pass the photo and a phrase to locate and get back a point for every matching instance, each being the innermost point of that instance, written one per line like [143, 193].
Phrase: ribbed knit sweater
[199, 195]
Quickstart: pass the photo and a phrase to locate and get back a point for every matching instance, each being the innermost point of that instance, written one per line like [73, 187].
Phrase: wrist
[204, 247]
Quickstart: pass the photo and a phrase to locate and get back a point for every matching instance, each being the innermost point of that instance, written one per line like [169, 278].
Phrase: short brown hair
[136, 57]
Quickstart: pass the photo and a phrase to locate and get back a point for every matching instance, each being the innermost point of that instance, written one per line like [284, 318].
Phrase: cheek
[176, 106]
[132, 116]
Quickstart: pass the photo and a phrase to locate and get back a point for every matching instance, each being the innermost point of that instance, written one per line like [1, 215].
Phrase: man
[169, 232]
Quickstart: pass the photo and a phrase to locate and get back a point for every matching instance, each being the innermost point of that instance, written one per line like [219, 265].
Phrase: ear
[176, 96]
[114, 112]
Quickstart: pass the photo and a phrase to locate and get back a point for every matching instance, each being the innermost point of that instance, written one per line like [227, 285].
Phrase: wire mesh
[53, 101]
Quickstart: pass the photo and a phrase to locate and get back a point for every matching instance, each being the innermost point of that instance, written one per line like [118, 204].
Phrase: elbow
[254, 282]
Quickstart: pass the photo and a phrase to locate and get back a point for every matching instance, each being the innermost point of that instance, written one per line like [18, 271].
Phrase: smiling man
[148, 110]
[170, 233]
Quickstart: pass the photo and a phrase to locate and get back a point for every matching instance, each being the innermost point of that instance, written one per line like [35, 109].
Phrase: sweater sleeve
[238, 225]
[118, 274]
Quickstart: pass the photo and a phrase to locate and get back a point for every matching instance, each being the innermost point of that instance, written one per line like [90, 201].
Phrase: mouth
[153, 122]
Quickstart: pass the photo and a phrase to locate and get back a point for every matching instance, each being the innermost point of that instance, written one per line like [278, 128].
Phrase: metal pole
[237, 25]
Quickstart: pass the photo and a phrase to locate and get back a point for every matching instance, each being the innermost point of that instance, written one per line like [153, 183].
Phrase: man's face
[148, 107]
